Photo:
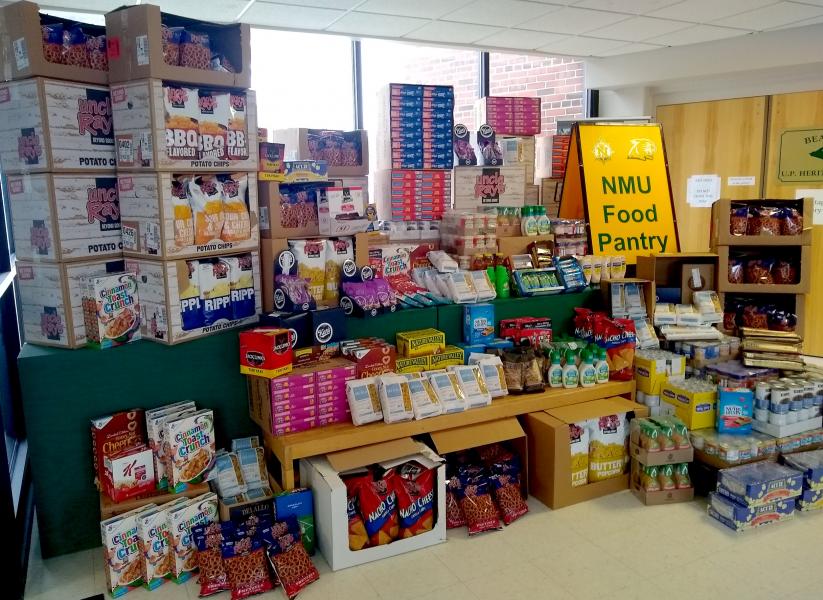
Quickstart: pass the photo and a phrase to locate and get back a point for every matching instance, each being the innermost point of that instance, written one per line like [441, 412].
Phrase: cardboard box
[659, 497]
[696, 278]
[162, 127]
[520, 151]
[780, 431]
[280, 206]
[342, 211]
[271, 161]
[265, 352]
[551, 191]
[550, 478]
[519, 244]
[21, 46]
[721, 222]
[698, 410]
[352, 182]
[51, 299]
[662, 457]
[135, 48]
[59, 218]
[322, 475]
[801, 287]
[646, 287]
[346, 152]
[258, 502]
[174, 311]
[481, 187]
[509, 115]
[55, 126]
[651, 374]
[149, 204]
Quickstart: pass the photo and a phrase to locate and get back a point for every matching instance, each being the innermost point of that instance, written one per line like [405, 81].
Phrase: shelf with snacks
[108, 508]
[767, 222]
[748, 270]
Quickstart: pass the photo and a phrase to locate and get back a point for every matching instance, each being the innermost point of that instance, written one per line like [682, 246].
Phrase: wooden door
[723, 137]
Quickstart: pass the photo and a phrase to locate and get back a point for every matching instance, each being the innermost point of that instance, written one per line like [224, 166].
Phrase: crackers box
[51, 299]
[163, 127]
[420, 342]
[55, 126]
[481, 187]
[58, 217]
[345, 152]
[159, 216]
[135, 39]
[173, 299]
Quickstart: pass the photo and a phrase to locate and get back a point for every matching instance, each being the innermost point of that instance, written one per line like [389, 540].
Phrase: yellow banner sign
[617, 178]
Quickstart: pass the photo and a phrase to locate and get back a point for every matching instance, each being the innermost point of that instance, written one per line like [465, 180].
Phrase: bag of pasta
[608, 456]
[579, 442]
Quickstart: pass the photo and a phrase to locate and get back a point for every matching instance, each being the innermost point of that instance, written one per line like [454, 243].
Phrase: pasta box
[345, 152]
[759, 483]
[265, 352]
[172, 215]
[182, 300]
[55, 126]
[322, 474]
[59, 218]
[165, 127]
[740, 517]
[480, 187]
[51, 298]
[111, 310]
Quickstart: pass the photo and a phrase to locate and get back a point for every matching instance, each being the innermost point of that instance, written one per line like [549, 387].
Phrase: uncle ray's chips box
[182, 300]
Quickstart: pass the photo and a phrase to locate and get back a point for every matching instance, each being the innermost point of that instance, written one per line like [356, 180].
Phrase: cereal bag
[206, 199]
[215, 290]
[241, 286]
[414, 486]
[378, 502]
[245, 561]
[579, 440]
[311, 263]
[191, 307]
[337, 252]
[607, 447]
[237, 224]
[155, 544]
[237, 140]
[183, 516]
[208, 540]
[182, 130]
[183, 217]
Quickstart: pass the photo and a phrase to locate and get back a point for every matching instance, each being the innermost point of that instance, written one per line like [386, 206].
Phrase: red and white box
[129, 473]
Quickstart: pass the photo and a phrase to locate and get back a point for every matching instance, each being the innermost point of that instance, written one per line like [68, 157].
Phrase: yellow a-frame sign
[617, 178]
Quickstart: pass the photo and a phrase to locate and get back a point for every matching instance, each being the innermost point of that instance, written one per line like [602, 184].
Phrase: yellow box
[697, 409]
[412, 365]
[420, 342]
[451, 355]
[651, 374]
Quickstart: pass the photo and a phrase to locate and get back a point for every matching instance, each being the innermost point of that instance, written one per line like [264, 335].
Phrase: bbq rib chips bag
[358, 538]
[208, 540]
[619, 338]
[378, 505]
[414, 486]
[291, 563]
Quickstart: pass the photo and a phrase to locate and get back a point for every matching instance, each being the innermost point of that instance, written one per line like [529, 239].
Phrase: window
[302, 80]
[557, 80]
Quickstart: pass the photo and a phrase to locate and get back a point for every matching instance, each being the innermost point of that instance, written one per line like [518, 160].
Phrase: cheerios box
[323, 474]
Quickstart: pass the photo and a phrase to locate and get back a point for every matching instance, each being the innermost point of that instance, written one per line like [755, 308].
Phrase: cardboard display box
[801, 287]
[55, 126]
[322, 475]
[696, 277]
[21, 46]
[551, 191]
[257, 502]
[109, 508]
[519, 151]
[509, 115]
[51, 299]
[162, 127]
[65, 217]
[698, 410]
[654, 459]
[287, 216]
[647, 289]
[550, 478]
[519, 244]
[780, 431]
[158, 214]
[173, 301]
[721, 221]
[659, 497]
[335, 147]
[481, 187]
[135, 40]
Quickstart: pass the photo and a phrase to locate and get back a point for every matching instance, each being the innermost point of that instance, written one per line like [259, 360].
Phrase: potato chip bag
[191, 307]
[206, 198]
[358, 538]
[414, 486]
[619, 338]
[311, 263]
[215, 290]
[213, 123]
[579, 440]
[182, 130]
[238, 138]
[237, 223]
[378, 503]
[337, 251]
[608, 455]
[241, 286]
[183, 219]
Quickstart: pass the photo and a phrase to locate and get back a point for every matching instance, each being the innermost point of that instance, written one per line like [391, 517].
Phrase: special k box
[50, 125]
[182, 300]
[186, 215]
[164, 127]
[265, 352]
[65, 217]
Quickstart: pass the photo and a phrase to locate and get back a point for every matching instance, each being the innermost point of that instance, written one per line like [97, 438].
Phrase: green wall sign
[801, 155]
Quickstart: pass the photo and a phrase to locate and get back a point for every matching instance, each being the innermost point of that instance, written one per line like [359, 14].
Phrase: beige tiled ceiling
[598, 28]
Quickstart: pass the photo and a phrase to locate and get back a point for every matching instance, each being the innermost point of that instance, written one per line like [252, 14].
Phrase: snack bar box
[322, 475]
[481, 187]
[55, 126]
[164, 214]
[60, 217]
[162, 127]
[51, 298]
[183, 300]
[509, 115]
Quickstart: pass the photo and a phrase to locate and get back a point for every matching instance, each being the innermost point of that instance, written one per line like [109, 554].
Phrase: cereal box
[111, 310]
[201, 510]
[189, 448]
[114, 433]
[159, 214]
[155, 543]
[51, 296]
[50, 126]
[121, 549]
[129, 473]
[175, 128]
[182, 300]
[65, 217]
[155, 431]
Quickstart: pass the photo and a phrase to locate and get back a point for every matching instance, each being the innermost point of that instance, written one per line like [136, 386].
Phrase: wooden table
[344, 436]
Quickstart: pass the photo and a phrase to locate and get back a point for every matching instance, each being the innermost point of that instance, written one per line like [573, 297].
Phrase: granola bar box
[190, 448]
[55, 126]
[60, 217]
[111, 434]
[111, 310]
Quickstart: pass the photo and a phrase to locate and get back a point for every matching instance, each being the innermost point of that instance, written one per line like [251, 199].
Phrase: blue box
[735, 408]
[469, 348]
[328, 325]
[759, 483]
[811, 464]
[739, 517]
[298, 324]
[500, 344]
[298, 503]
[478, 323]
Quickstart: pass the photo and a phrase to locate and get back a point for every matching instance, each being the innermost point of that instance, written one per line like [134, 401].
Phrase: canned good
[725, 348]
[761, 414]
[808, 401]
[779, 407]
[792, 417]
[805, 414]
[780, 393]
[778, 418]
[762, 390]
[640, 397]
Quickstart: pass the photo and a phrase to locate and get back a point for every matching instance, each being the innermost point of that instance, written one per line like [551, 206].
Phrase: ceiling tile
[222, 12]
[503, 13]
[426, 9]
[582, 46]
[357, 23]
[637, 7]
[85, 5]
[695, 35]
[291, 17]
[802, 23]
[573, 21]
[456, 33]
[706, 11]
[520, 39]
[638, 29]
[339, 4]
[772, 16]
[629, 49]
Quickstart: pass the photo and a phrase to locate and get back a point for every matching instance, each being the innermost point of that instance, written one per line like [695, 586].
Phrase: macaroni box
[55, 126]
[478, 323]
[265, 352]
[420, 342]
[58, 218]
[698, 410]
[170, 216]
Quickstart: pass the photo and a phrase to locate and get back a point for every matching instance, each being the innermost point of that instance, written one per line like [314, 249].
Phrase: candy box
[265, 352]
[811, 464]
[129, 473]
[759, 483]
[735, 407]
[298, 324]
[740, 517]
[328, 325]
[478, 323]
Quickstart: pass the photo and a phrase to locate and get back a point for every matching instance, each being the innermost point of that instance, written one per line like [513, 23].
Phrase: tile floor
[609, 548]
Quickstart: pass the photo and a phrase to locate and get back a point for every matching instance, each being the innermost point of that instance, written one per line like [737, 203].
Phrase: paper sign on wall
[702, 190]
[817, 197]
[740, 181]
